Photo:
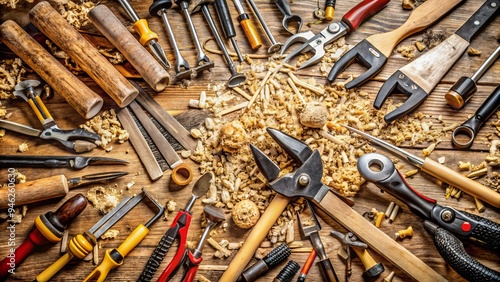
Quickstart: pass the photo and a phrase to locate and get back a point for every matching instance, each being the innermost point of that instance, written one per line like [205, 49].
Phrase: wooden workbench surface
[175, 98]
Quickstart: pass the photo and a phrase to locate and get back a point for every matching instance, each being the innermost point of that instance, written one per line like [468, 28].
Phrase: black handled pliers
[461, 224]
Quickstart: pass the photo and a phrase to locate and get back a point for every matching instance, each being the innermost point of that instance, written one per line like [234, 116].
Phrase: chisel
[52, 187]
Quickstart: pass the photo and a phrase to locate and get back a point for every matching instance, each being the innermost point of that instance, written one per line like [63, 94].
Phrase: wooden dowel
[111, 27]
[66, 37]
[85, 101]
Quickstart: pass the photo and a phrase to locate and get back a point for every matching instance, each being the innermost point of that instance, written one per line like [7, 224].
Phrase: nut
[245, 214]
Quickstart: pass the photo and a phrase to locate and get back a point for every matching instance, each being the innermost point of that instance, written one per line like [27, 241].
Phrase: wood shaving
[245, 214]
[104, 199]
[474, 52]
[314, 115]
[108, 127]
[407, 51]
[420, 46]
[76, 14]
[11, 73]
[23, 147]
[431, 39]
[408, 4]
[110, 234]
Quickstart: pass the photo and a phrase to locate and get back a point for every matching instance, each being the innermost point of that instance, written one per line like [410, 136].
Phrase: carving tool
[329, 9]
[78, 95]
[82, 244]
[307, 266]
[463, 136]
[288, 17]
[111, 27]
[439, 171]
[74, 162]
[178, 229]
[418, 78]
[78, 140]
[49, 229]
[193, 258]
[248, 27]
[305, 181]
[53, 187]
[236, 78]
[460, 93]
[275, 46]
[66, 37]
[316, 42]
[462, 224]
[312, 232]
[114, 258]
[374, 51]
[147, 36]
[227, 24]
[201, 58]
[350, 241]
[270, 261]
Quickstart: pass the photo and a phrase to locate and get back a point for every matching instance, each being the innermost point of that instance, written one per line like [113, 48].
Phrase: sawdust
[108, 127]
[11, 73]
[431, 39]
[104, 199]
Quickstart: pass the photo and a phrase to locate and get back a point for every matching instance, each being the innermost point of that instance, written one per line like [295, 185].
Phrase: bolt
[447, 216]
[304, 180]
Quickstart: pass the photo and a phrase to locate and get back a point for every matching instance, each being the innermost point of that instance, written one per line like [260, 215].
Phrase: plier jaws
[403, 83]
[366, 54]
[70, 138]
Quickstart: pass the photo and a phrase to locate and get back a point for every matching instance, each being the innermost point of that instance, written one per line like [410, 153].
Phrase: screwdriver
[52, 187]
[329, 9]
[227, 24]
[49, 228]
[439, 171]
[148, 37]
[248, 27]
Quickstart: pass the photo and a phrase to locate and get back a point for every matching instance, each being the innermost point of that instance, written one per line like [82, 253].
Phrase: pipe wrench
[305, 182]
[461, 224]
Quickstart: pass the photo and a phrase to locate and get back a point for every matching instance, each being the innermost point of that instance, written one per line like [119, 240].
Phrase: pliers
[316, 43]
[374, 50]
[178, 230]
[461, 224]
[305, 181]
[78, 140]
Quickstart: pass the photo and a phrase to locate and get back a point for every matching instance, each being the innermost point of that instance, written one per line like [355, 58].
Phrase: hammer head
[200, 5]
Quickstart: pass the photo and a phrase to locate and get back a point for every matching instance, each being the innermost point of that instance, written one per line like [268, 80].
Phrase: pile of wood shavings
[237, 176]
[11, 72]
[108, 127]
[104, 199]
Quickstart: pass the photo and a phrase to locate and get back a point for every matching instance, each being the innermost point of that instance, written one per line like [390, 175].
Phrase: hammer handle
[111, 27]
[36, 191]
[57, 29]
[86, 102]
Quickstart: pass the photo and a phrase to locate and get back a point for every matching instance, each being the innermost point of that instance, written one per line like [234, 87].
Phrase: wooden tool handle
[377, 240]
[85, 101]
[461, 182]
[71, 208]
[57, 29]
[256, 236]
[111, 27]
[422, 17]
[36, 191]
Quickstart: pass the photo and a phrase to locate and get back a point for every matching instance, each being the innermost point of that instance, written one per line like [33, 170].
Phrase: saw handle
[453, 252]
[355, 16]
[481, 18]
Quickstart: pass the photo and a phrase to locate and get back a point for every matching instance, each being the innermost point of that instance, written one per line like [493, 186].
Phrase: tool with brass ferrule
[317, 42]
[476, 229]
[147, 36]
[78, 140]
[49, 229]
[248, 27]
[439, 171]
[329, 9]
[350, 241]
[419, 78]
[275, 46]
[53, 187]
[226, 23]
[305, 181]
[74, 162]
[178, 229]
[82, 244]
[114, 257]
[312, 232]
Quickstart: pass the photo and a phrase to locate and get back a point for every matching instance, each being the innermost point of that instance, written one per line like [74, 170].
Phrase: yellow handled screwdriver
[114, 257]
[248, 27]
[148, 37]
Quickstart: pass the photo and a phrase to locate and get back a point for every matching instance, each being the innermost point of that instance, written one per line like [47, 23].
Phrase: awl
[439, 171]
[420, 77]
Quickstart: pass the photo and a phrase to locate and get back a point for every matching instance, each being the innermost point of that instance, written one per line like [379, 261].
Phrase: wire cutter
[78, 140]
[312, 232]
[305, 181]
[316, 43]
[374, 50]
[178, 230]
[461, 224]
